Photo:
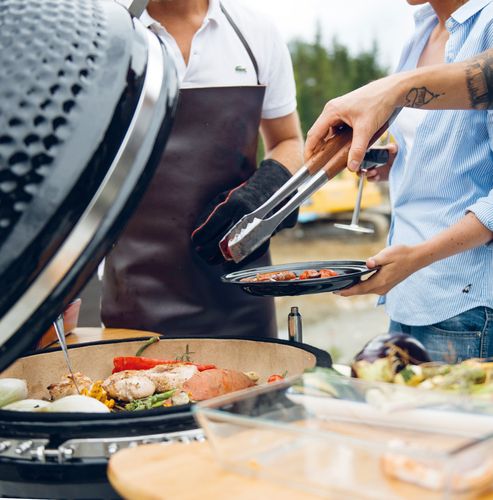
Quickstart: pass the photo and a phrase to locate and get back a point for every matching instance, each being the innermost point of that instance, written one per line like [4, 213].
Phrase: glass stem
[357, 207]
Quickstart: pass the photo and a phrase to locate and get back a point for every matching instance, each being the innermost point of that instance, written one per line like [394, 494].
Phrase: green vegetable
[459, 378]
[11, 390]
[320, 381]
[186, 355]
[146, 344]
[483, 391]
[154, 401]
[411, 375]
[380, 370]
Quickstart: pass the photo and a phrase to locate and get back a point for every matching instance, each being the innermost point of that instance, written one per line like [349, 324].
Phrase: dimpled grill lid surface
[47, 69]
[73, 77]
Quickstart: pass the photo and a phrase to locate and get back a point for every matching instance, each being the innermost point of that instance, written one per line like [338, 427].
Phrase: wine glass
[375, 157]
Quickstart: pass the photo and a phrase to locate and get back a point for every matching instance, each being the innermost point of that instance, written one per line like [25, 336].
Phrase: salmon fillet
[211, 383]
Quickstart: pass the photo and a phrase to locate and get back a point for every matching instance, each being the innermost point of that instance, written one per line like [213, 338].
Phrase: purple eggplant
[386, 355]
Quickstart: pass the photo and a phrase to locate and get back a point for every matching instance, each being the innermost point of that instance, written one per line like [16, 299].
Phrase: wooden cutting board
[191, 472]
[186, 472]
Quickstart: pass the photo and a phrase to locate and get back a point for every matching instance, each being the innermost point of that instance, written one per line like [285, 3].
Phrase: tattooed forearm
[479, 75]
[419, 97]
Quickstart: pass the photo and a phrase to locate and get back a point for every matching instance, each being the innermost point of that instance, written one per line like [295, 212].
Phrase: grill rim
[322, 358]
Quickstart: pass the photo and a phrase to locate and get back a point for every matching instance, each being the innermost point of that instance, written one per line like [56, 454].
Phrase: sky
[355, 23]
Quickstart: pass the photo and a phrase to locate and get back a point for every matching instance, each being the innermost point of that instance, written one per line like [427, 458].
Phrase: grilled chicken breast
[136, 384]
[66, 386]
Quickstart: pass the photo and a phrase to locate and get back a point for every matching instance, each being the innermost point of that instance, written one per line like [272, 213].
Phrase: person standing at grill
[436, 275]
[236, 76]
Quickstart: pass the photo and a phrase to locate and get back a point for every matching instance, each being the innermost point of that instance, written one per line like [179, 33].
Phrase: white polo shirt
[219, 59]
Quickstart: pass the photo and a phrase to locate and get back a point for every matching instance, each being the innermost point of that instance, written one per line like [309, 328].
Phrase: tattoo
[418, 97]
[479, 76]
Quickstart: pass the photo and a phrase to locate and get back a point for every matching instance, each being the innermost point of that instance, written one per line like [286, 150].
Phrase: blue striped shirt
[448, 172]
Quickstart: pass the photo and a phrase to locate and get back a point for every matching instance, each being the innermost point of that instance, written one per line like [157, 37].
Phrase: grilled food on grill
[168, 384]
[129, 385]
[137, 384]
[141, 383]
[308, 274]
[66, 386]
[212, 383]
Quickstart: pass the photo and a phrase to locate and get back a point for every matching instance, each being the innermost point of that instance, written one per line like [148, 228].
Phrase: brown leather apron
[153, 279]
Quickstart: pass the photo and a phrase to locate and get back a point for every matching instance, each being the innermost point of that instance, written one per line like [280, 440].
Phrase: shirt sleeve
[483, 207]
[278, 77]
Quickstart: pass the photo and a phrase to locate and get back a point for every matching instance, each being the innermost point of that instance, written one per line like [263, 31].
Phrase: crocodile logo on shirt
[240, 69]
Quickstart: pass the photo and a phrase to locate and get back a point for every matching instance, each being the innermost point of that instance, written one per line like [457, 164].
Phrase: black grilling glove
[226, 209]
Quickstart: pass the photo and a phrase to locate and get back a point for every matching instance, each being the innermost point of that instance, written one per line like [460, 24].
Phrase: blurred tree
[323, 73]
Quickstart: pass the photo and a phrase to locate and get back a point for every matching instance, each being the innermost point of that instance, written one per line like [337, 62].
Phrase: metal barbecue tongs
[60, 333]
[135, 7]
[255, 228]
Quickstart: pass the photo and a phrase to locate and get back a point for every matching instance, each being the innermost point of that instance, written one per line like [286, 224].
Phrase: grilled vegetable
[181, 398]
[28, 405]
[321, 381]
[386, 355]
[146, 344]
[411, 375]
[96, 391]
[154, 401]
[253, 376]
[76, 403]
[121, 363]
[276, 377]
[11, 390]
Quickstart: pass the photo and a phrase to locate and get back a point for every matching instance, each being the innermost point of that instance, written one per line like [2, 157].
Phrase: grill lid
[87, 96]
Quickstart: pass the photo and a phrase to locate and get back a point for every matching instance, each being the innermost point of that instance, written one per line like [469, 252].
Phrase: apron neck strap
[242, 40]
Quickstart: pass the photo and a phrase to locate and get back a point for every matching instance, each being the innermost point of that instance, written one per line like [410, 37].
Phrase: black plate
[350, 272]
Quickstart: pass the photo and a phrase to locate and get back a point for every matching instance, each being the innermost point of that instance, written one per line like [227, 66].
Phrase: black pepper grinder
[295, 328]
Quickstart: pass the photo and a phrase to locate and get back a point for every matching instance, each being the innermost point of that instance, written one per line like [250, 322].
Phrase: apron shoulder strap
[242, 40]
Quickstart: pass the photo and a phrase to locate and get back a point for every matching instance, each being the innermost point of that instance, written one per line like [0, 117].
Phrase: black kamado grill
[86, 105]
[87, 97]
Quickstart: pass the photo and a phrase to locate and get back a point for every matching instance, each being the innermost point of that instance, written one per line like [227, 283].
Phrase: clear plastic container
[344, 438]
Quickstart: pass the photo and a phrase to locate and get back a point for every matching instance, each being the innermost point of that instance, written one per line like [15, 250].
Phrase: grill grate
[50, 51]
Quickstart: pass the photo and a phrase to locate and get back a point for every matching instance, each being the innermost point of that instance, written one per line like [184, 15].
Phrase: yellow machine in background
[337, 198]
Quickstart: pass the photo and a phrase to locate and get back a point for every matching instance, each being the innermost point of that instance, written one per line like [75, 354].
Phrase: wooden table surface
[82, 335]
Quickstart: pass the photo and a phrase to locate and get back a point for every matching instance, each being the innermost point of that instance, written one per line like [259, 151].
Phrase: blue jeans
[467, 335]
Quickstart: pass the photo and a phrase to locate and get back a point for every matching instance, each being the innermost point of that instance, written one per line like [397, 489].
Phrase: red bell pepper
[121, 363]
[202, 368]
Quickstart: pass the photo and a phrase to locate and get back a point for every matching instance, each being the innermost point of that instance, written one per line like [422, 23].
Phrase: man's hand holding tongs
[226, 209]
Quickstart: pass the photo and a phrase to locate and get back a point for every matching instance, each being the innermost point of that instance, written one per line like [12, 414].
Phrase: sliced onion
[28, 405]
[11, 390]
[76, 403]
